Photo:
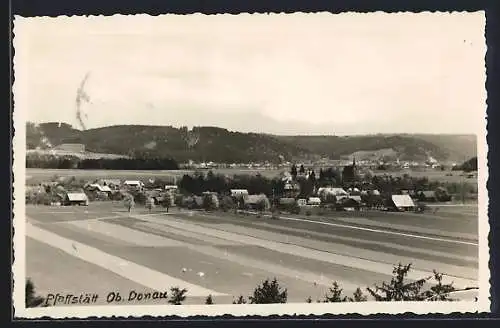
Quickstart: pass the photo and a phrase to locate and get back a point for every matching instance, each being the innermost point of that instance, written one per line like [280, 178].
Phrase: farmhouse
[172, 188]
[136, 184]
[98, 187]
[96, 191]
[350, 203]
[211, 197]
[315, 201]
[237, 193]
[302, 202]
[112, 183]
[339, 193]
[401, 203]
[75, 198]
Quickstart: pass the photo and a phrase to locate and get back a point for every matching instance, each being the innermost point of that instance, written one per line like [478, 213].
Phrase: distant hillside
[468, 166]
[221, 145]
[406, 147]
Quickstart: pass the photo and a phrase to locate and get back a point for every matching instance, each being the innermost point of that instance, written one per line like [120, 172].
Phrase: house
[212, 197]
[354, 191]
[257, 202]
[292, 189]
[197, 202]
[239, 193]
[350, 203]
[98, 187]
[111, 183]
[314, 201]
[338, 193]
[401, 203]
[76, 198]
[355, 198]
[134, 184]
[96, 191]
[302, 202]
[171, 188]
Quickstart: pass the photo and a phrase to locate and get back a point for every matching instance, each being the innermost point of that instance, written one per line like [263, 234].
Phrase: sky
[283, 74]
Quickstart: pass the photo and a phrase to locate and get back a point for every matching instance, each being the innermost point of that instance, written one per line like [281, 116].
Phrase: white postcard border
[364, 308]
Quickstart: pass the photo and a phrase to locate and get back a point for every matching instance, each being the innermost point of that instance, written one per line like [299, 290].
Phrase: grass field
[444, 176]
[35, 176]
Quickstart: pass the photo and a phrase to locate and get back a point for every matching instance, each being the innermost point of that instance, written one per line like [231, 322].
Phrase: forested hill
[221, 145]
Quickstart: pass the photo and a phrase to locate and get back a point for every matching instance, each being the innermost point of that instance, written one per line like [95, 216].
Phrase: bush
[335, 294]
[358, 296]
[421, 208]
[269, 292]
[178, 295]
[440, 291]
[209, 300]
[140, 198]
[240, 300]
[294, 208]
[129, 202]
[227, 203]
[31, 299]
[150, 203]
[308, 213]
[166, 200]
[398, 289]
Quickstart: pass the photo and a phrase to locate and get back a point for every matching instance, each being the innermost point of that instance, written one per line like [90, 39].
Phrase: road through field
[228, 254]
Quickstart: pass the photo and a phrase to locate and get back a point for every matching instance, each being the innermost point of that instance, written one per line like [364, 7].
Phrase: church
[349, 174]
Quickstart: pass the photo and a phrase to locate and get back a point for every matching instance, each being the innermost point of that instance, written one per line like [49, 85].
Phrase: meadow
[36, 176]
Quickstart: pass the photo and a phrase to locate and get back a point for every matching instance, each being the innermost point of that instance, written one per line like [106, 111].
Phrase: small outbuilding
[314, 201]
[135, 184]
[76, 198]
[239, 193]
[401, 203]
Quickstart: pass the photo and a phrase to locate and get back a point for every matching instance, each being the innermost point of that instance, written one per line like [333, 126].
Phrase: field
[226, 255]
[36, 176]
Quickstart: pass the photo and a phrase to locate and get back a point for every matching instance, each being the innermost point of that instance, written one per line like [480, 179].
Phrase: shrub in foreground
[269, 292]
[31, 299]
[209, 300]
[177, 295]
[400, 289]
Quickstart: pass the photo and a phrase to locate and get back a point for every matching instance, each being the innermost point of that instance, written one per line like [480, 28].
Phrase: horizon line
[263, 133]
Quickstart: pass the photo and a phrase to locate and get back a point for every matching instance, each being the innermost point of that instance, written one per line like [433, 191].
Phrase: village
[295, 191]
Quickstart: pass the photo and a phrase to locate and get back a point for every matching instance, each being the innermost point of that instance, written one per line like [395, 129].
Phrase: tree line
[199, 182]
[73, 162]
[399, 288]
[468, 166]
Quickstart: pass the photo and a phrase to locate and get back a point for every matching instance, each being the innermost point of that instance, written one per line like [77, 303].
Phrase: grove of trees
[274, 187]
[73, 162]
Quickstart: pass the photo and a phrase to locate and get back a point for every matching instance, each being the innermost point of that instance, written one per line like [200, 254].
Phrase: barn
[76, 198]
[401, 203]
